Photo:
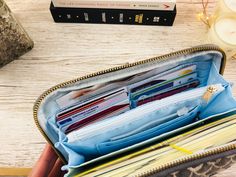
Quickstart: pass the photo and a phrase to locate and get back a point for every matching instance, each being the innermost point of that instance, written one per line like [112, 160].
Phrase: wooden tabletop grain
[66, 51]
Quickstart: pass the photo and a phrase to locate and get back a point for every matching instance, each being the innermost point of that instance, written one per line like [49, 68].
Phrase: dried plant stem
[205, 17]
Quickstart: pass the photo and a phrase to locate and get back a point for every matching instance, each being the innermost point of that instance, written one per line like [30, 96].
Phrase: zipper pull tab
[209, 93]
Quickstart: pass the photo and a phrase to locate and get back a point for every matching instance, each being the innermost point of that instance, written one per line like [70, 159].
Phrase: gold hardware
[209, 93]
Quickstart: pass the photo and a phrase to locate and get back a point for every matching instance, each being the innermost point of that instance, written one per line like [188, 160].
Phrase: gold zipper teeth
[187, 159]
[156, 59]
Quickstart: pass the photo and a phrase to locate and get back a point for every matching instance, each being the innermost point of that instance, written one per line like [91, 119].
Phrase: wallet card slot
[149, 125]
[111, 146]
[163, 93]
[156, 122]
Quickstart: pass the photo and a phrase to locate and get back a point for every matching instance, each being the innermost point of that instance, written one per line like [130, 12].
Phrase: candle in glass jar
[223, 33]
[227, 6]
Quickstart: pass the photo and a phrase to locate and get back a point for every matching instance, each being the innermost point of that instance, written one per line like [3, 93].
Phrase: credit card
[164, 85]
[90, 110]
[82, 106]
[158, 79]
[110, 112]
[95, 112]
[167, 92]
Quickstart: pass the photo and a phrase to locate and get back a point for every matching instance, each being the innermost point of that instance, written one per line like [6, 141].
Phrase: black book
[113, 16]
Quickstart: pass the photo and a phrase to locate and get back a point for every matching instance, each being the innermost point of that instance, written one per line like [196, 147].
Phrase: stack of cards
[157, 87]
[104, 106]
[124, 97]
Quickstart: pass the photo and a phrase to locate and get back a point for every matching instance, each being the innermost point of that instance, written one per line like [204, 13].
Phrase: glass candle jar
[226, 6]
[222, 31]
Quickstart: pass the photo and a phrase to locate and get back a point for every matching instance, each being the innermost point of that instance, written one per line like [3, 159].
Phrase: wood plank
[14, 171]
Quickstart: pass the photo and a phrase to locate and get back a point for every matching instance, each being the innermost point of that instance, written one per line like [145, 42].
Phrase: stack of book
[140, 12]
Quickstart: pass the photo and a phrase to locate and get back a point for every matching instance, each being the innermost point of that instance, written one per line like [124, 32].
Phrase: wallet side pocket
[110, 146]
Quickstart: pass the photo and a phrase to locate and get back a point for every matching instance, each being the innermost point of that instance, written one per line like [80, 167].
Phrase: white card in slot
[169, 75]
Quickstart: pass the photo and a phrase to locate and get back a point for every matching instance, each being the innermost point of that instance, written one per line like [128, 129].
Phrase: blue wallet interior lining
[143, 126]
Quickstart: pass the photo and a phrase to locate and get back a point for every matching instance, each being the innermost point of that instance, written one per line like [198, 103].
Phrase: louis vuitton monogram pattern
[206, 169]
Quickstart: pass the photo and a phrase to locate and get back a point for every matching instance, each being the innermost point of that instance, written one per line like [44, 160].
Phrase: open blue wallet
[114, 122]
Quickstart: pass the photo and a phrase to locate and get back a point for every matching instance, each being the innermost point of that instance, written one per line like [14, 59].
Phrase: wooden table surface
[67, 51]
